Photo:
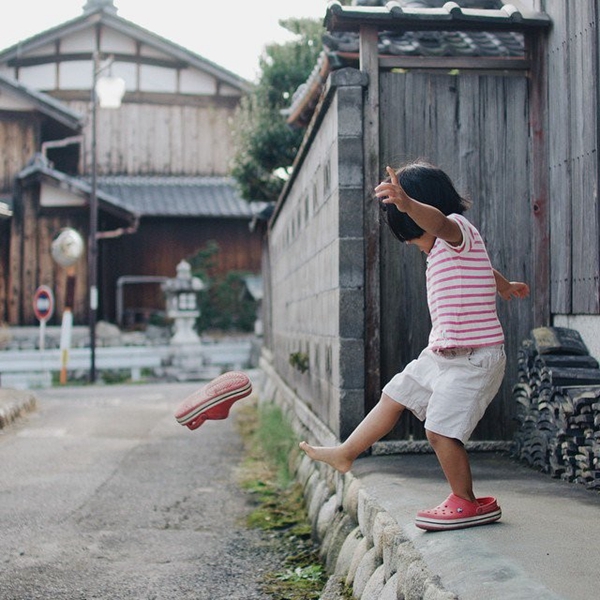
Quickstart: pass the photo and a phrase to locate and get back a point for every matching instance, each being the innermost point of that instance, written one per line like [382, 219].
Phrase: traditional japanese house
[161, 161]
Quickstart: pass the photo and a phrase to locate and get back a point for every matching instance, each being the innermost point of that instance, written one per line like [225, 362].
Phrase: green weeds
[267, 476]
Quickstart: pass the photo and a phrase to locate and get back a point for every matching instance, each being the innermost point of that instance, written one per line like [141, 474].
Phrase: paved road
[104, 495]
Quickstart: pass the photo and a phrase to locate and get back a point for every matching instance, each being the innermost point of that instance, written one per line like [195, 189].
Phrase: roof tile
[414, 37]
[176, 196]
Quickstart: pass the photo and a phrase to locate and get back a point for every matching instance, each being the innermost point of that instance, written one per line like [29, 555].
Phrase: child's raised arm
[429, 218]
[510, 289]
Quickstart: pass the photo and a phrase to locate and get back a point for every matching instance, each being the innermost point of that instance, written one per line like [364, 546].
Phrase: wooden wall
[177, 138]
[4, 267]
[19, 138]
[476, 128]
[573, 80]
[166, 138]
[157, 248]
[32, 233]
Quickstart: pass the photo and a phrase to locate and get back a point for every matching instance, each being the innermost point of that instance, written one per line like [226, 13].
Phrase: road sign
[43, 303]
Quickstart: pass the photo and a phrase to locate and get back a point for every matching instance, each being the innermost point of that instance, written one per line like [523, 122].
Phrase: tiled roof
[431, 27]
[407, 28]
[41, 167]
[172, 196]
[493, 15]
[433, 43]
[45, 104]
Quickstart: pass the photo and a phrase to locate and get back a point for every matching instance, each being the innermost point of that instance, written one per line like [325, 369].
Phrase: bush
[223, 304]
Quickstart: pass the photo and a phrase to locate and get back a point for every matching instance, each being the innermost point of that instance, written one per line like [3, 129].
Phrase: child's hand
[515, 289]
[391, 192]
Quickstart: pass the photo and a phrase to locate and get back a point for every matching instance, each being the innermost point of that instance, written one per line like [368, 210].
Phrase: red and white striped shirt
[461, 292]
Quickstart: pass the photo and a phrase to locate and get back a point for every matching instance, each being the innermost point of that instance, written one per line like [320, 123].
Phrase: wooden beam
[454, 62]
[32, 61]
[369, 63]
[538, 113]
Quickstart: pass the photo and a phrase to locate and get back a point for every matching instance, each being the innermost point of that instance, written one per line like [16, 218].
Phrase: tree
[265, 146]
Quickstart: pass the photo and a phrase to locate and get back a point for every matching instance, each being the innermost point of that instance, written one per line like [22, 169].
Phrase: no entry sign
[43, 303]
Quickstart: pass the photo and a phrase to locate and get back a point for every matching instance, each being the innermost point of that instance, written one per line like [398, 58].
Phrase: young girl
[452, 382]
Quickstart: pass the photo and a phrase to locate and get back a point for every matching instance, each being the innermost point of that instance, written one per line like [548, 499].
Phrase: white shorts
[450, 392]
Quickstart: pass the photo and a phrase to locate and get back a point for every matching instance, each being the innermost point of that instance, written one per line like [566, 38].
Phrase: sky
[230, 33]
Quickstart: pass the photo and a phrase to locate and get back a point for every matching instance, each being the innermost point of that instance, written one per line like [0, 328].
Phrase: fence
[24, 369]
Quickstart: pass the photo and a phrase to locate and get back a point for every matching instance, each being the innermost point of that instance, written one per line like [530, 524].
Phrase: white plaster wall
[588, 327]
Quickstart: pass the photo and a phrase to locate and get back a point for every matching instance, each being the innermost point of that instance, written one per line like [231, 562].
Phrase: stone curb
[361, 544]
[14, 404]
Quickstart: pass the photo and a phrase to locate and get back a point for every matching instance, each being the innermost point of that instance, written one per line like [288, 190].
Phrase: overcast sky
[231, 33]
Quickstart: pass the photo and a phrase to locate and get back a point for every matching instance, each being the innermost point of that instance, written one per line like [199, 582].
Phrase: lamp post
[107, 92]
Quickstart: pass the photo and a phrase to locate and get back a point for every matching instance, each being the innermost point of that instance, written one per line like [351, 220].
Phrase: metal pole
[93, 239]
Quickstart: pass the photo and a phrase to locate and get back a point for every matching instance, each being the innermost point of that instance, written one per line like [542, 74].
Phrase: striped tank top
[461, 292]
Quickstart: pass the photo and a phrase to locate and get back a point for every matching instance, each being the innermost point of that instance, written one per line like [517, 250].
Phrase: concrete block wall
[316, 264]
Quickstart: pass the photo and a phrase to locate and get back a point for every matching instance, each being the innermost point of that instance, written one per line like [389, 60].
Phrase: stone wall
[361, 544]
[316, 263]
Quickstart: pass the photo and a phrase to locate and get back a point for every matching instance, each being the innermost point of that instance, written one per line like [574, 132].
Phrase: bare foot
[333, 456]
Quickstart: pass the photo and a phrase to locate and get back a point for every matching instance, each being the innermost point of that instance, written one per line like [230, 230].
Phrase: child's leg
[454, 461]
[373, 427]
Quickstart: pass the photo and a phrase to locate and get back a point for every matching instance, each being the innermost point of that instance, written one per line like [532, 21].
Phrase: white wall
[588, 327]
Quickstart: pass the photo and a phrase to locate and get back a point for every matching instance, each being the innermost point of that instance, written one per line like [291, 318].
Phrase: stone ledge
[14, 404]
[364, 524]
[361, 544]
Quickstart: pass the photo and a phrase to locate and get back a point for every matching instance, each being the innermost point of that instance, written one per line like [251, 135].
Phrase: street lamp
[107, 92]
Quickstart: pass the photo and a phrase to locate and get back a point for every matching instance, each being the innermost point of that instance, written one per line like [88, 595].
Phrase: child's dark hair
[427, 184]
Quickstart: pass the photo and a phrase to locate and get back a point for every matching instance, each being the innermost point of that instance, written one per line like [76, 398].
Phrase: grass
[266, 474]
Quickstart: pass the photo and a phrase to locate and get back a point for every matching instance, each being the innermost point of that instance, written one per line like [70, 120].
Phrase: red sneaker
[457, 513]
[213, 400]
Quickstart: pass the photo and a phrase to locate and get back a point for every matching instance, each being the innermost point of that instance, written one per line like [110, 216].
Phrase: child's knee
[432, 437]
[436, 439]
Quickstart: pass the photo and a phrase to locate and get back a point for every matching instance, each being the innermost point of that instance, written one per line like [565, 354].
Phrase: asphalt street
[104, 495]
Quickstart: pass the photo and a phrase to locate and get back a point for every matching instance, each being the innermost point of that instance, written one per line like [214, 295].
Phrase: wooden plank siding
[4, 270]
[156, 139]
[476, 128]
[129, 255]
[19, 140]
[573, 157]
[183, 238]
[169, 139]
[559, 163]
[32, 233]
[584, 104]
[19, 135]
[369, 64]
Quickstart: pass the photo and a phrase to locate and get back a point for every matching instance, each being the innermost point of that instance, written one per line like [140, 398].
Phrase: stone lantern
[182, 304]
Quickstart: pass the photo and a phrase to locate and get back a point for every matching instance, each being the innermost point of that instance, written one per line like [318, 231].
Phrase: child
[454, 379]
